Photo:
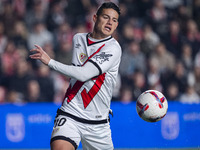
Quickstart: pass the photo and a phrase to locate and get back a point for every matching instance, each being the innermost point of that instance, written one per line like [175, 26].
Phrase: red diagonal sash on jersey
[87, 97]
[93, 54]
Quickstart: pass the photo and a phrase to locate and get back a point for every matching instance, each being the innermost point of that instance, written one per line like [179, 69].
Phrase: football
[151, 106]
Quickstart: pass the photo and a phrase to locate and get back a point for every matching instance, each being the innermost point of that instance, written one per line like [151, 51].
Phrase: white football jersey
[91, 99]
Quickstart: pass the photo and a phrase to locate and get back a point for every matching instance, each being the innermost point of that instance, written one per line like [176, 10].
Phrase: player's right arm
[83, 73]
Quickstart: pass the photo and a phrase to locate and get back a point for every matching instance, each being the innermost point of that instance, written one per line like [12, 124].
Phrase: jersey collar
[91, 41]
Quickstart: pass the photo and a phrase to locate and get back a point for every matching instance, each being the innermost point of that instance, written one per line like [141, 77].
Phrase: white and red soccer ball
[151, 106]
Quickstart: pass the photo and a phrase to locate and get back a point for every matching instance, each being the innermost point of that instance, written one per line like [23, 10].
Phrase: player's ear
[95, 18]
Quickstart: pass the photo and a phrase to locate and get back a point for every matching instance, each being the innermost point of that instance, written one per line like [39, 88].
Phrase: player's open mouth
[108, 28]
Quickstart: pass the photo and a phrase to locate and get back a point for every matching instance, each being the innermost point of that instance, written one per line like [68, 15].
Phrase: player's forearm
[83, 74]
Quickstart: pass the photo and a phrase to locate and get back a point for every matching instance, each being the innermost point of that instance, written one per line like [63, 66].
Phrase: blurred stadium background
[160, 41]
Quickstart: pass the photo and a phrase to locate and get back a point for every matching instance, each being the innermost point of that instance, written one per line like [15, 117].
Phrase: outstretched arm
[84, 73]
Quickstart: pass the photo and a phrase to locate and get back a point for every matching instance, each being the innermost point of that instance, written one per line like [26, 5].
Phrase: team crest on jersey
[82, 57]
[102, 57]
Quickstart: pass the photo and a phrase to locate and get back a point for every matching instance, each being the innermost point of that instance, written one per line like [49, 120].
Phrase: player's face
[106, 22]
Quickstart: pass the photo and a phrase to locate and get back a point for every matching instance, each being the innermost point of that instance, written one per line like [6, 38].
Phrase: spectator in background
[144, 6]
[172, 5]
[158, 17]
[19, 8]
[193, 36]
[61, 84]
[182, 15]
[139, 84]
[172, 92]
[174, 39]
[127, 35]
[80, 28]
[126, 95]
[33, 92]
[8, 17]
[178, 76]
[131, 31]
[186, 57]
[132, 8]
[116, 91]
[2, 94]
[36, 13]
[132, 59]
[190, 96]
[197, 79]
[64, 53]
[39, 35]
[149, 41]
[3, 38]
[165, 59]
[89, 23]
[49, 48]
[63, 34]
[20, 34]
[197, 59]
[19, 80]
[76, 11]
[123, 17]
[55, 16]
[195, 11]
[22, 53]
[45, 82]
[14, 97]
[9, 58]
[197, 72]
[154, 75]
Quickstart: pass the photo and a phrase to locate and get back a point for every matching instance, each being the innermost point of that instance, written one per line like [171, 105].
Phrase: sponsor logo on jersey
[78, 45]
[102, 57]
[98, 116]
[82, 57]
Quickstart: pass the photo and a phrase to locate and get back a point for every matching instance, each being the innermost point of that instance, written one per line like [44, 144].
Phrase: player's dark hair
[107, 5]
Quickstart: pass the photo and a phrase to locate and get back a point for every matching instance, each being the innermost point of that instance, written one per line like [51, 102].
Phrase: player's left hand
[40, 54]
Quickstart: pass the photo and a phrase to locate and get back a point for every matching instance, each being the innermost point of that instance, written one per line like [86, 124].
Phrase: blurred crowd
[160, 40]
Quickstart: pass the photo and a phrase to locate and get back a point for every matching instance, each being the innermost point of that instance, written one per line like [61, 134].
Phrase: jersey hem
[61, 112]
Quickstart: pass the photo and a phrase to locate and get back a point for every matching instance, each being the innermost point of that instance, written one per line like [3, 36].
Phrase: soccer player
[83, 115]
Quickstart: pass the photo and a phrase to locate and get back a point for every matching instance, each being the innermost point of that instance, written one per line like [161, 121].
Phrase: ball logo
[82, 57]
[15, 127]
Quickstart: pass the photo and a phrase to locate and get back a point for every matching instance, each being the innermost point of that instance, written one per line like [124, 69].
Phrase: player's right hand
[40, 54]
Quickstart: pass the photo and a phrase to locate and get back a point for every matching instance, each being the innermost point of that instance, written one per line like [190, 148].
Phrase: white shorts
[92, 136]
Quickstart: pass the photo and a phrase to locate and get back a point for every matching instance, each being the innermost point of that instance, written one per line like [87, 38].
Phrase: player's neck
[97, 36]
